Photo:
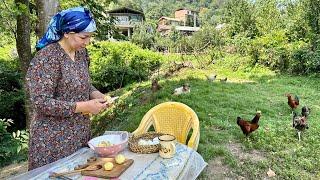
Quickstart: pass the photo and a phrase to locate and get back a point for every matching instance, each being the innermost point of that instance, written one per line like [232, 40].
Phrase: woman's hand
[93, 106]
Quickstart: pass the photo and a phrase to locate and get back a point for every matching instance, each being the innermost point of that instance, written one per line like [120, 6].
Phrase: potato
[120, 159]
[108, 166]
[107, 98]
[104, 144]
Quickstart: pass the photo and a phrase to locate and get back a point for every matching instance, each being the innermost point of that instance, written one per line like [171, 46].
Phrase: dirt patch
[217, 170]
[237, 150]
[217, 128]
[13, 170]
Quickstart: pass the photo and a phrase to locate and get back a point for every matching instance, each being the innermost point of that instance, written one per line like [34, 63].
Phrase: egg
[142, 142]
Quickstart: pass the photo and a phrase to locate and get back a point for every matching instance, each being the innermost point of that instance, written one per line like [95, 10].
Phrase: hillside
[222, 144]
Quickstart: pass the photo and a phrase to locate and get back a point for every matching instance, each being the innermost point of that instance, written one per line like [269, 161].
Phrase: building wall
[186, 22]
[189, 18]
[125, 22]
[181, 14]
[126, 18]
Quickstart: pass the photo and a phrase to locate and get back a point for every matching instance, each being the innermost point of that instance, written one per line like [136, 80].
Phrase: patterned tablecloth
[186, 164]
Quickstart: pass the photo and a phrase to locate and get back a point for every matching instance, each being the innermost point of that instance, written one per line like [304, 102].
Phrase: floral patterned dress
[55, 83]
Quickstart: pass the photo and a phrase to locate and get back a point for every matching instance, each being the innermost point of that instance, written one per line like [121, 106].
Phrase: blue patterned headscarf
[76, 20]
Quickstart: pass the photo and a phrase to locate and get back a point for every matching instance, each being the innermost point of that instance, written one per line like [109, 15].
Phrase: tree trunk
[23, 43]
[46, 9]
[23, 36]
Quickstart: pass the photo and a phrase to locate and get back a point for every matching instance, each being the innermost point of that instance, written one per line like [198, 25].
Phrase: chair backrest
[173, 118]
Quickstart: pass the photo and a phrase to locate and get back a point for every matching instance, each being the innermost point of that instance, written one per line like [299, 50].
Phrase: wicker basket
[144, 149]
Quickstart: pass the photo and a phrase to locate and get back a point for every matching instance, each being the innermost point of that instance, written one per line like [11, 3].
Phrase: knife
[55, 175]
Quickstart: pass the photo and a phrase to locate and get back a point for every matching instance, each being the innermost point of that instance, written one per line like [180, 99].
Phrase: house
[189, 17]
[126, 19]
[185, 21]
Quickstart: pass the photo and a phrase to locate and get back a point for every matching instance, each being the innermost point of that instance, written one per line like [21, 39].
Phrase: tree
[268, 16]
[143, 35]
[45, 9]
[7, 22]
[23, 42]
[211, 12]
[313, 19]
[105, 24]
[238, 14]
[23, 34]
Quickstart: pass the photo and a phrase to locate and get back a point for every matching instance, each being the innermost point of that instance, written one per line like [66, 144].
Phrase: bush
[235, 62]
[13, 147]
[117, 64]
[275, 51]
[240, 44]
[303, 60]
[11, 93]
[270, 50]
[144, 35]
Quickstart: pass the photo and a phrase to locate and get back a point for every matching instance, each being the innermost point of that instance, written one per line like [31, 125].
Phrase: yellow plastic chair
[172, 118]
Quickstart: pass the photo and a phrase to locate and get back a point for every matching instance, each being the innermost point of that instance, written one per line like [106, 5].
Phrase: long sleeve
[42, 78]
[92, 88]
[55, 82]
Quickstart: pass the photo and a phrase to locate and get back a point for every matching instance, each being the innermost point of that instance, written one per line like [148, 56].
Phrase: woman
[59, 86]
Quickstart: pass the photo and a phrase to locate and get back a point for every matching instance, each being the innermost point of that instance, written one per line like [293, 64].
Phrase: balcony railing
[126, 20]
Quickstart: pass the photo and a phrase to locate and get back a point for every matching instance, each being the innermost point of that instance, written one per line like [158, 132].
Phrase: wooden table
[186, 164]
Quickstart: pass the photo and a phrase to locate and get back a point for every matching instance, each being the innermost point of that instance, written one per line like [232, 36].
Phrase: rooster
[300, 122]
[248, 127]
[293, 102]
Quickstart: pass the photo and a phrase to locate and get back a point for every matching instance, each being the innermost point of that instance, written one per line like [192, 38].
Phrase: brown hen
[248, 127]
[293, 102]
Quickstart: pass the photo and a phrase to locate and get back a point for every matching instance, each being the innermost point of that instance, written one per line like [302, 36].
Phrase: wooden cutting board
[117, 170]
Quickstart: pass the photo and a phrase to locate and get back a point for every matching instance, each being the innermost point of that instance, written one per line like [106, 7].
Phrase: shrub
[275, 51]
[11, 92]
[270, 50]
[240, 43]
[116, 64]
[13, 146]
[143, 35]
[303, 60]
[235, 62]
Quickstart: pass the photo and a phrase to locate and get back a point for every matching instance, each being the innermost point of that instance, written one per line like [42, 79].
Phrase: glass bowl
[118, 139]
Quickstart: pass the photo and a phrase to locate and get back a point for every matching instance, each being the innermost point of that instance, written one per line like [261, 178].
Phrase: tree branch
[9, 24]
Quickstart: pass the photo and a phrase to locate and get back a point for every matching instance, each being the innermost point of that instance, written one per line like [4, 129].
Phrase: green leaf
[26, 137]
[19, 149]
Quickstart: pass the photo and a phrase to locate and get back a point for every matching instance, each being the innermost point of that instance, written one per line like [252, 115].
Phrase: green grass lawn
[217, 106]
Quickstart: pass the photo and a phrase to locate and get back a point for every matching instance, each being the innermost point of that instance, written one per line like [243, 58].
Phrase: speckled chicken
[300, 123]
